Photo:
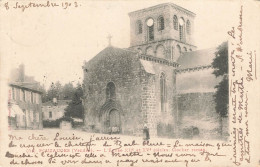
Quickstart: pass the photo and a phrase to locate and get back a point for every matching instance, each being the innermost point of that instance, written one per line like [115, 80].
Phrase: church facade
[160, 81]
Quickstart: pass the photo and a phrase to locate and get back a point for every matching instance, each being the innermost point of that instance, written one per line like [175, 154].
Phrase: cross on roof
[109, 39]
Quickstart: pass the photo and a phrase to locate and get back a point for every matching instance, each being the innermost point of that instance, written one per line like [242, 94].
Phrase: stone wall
[137, 92]
[167, 11]
[198, 118]
[169, 38]
[124, 71]
[157, 120]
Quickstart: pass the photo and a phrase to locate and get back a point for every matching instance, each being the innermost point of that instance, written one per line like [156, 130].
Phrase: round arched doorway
[114, 121]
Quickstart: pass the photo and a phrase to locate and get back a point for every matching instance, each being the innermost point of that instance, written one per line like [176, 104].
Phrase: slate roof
[196, 58]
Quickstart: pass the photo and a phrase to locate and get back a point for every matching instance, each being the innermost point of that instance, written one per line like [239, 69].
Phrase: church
[161, 81]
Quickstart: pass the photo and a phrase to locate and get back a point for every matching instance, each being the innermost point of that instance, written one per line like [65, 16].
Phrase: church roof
[110, 50]
[148, 66]
[196, 58]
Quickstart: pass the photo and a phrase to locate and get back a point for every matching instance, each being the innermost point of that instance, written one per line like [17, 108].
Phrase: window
[31, 116]
[178, 51]
[111, 91]
[172, 53]
[181, 25]
[34, 98]
[50, 114]
[37, 117]
[31, 97]
[13, 93]
[175, 22]
[151, 35]
[139, 27]
[23, 94]
[37, 98]
[188, 27]
[150, 25]
[18, 94]
[160, 23]
[163, 92]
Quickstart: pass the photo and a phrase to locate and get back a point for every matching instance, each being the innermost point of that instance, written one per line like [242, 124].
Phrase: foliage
[221, 98]
[220, 65]
[68, 91]
[51, 123]
[75, 108]
[56, 90]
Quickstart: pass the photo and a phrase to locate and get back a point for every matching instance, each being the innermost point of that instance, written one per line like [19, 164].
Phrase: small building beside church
[160, 81]
[25, 102]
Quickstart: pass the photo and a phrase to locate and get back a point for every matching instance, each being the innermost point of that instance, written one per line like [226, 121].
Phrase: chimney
[21, 73]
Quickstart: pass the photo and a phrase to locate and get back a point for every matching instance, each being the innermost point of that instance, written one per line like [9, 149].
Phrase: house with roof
[55, 109]
[160, 82]
[24, 103]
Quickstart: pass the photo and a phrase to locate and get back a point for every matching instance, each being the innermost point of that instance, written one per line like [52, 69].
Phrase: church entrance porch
[111, 116]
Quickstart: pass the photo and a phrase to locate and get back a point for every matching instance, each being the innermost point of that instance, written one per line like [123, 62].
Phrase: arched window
[149, 51]
[163, 92]
[175, 22]
[172, 56]
[150, 29]
[178, 51]
[111, 91]
[160, 23]
[139, 27]
[160, 51]
[188, 27]
[181, 29]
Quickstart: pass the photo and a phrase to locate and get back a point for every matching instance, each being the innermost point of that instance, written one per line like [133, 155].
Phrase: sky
[54, 43]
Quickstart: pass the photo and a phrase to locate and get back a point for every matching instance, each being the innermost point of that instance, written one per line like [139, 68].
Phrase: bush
[51, 123]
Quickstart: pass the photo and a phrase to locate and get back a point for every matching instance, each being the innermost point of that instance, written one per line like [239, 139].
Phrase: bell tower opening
[150, 27]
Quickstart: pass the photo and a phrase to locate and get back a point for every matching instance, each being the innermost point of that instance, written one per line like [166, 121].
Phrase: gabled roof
[146, 61]
[31, 86]
[112, 51]
[196, 58]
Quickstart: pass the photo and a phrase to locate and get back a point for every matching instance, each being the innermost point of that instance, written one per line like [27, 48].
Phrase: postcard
[129, 83]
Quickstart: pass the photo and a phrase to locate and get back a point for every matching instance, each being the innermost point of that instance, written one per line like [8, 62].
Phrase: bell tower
[164, 31]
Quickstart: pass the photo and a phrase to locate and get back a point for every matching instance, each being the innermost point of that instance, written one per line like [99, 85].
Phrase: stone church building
[161, 81]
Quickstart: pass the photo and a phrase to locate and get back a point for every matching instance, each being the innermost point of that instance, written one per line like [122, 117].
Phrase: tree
[220, 65]
[54, 91]
[68, 91]
[44, 94]
[75, 108]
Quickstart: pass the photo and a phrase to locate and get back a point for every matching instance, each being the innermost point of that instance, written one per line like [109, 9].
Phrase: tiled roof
[196, 58]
